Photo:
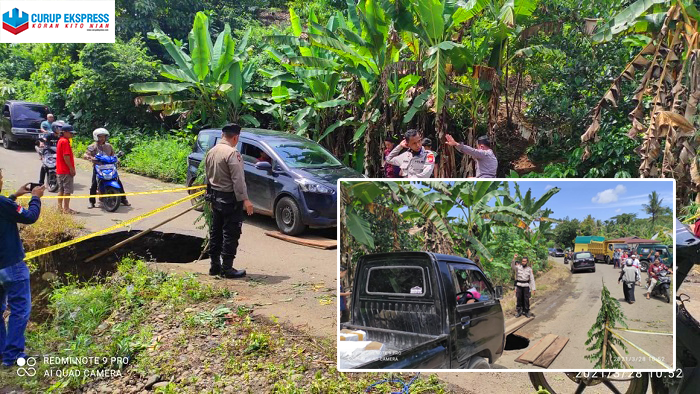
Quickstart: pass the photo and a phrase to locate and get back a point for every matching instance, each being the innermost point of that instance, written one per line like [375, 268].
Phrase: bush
[159, 157]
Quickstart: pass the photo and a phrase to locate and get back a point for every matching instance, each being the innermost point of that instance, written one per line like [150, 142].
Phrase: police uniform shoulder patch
[20, 209]
[238, 156]
[430, 158]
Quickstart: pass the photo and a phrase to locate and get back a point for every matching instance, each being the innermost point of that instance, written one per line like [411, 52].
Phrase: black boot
[527, 314]
[227, 271]
[520, 313]
[215, 268]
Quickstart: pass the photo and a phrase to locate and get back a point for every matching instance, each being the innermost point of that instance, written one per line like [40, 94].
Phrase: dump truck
[582, 242]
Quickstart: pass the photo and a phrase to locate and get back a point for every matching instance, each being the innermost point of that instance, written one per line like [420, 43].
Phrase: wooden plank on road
[319, 243]
[514, 325]
[547, 358]
[535, 351]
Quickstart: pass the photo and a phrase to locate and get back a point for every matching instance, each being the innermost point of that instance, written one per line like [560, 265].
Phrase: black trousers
[93, 187]
[523, 299]
[628, 292]
[224, 233]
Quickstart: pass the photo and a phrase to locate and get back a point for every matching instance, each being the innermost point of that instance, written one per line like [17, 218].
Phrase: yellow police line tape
[181, 189]
[639, 331]
[49, 249]
[652, 358]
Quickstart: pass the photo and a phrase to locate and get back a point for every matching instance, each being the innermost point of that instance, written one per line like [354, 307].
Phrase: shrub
[159, 157]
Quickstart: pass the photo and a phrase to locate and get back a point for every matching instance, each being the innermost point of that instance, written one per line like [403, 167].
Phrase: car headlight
[313, 187]
[18, 130]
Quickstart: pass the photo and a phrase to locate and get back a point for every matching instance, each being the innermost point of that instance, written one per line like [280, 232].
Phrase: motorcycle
[663, 286]
[108, 181]
[48, 161]
[567, 257]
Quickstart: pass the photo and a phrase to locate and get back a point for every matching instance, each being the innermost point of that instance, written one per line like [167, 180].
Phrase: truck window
[472, 281]
[404, 280]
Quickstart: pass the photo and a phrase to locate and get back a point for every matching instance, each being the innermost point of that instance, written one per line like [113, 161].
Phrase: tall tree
[654, 208]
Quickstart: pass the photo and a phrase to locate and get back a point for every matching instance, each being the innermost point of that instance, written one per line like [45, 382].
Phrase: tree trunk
[446, 167]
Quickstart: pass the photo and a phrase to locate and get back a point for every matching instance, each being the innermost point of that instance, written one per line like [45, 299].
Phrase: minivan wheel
[288, 217]
[478, 362]
[6, 143]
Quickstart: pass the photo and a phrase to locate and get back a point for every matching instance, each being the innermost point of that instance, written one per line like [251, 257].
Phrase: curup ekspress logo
[15, 23]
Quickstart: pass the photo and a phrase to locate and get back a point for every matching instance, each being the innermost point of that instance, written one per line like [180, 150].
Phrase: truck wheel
[478, 362]
[607, 259]
[644, 266]
[288, 217]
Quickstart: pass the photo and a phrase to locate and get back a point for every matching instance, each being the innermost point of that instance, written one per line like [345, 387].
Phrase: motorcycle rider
[47, 140]
[653, 271]
[100, 146]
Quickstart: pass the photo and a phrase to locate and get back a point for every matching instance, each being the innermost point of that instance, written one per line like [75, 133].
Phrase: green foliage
[100, 95]
[609, 316]
[160, 157]
[505, 244]
[565, 233]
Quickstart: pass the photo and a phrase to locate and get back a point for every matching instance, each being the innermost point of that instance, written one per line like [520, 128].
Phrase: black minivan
[289, 177]
[21, 122]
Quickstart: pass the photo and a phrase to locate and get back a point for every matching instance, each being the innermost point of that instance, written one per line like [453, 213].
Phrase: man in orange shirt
[65, 169]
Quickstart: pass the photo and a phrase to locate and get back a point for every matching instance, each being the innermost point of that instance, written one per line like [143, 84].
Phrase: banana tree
[438, 21]
[670, 65]
[210, 82]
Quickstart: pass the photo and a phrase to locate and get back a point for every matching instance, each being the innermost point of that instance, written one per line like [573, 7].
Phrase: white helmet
[98, 132]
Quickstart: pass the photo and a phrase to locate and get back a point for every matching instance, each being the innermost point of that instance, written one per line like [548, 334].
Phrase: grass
[141, 322]
[164, 158]
[51, 228]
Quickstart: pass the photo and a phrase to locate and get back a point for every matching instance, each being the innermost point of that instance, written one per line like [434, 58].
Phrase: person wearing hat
[486, 161]
[65, 169]
[104, 148]
[344, 312]
[524, 285]
[228, 195]
[629, 275]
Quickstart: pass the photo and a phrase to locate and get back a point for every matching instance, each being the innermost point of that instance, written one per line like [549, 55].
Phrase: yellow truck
[603, 250]
[582, 242]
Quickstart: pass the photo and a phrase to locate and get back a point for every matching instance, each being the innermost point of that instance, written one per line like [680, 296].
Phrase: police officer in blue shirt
[14, 274]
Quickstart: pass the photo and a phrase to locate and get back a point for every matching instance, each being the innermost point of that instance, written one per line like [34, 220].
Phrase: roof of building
[633, 240]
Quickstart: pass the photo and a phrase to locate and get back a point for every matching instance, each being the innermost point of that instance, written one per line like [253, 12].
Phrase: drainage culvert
[154, 246]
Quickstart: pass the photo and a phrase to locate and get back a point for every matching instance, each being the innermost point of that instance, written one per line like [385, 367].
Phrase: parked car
[559, 253]
[428, 310]
[290, 178]
[21, 122]
[646, 251]
[582, 261]
[551, 251]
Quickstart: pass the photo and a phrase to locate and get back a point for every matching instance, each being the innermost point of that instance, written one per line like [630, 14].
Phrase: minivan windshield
[304, 154]
[28, 115]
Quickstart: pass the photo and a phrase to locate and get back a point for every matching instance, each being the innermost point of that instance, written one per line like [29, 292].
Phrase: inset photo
[546, 274]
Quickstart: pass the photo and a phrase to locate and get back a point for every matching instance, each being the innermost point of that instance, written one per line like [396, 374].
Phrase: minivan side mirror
[263, 165]
[499, 292]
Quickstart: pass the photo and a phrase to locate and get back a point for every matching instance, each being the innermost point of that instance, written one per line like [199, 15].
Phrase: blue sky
[601, 199]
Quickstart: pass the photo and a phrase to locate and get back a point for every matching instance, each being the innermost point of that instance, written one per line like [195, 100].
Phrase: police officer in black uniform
[228, 195]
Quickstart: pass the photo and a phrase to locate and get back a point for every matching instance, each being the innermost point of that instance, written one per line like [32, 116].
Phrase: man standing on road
[65, 169]
[486, 161]
[616, 258]
[14, 274]
[414, 163]
[629, 276]
[524, 284]
[46, 125]
[653, 271]
[228, 195]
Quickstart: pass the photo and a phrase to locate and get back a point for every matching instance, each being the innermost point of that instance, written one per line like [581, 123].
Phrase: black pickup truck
[429, 310]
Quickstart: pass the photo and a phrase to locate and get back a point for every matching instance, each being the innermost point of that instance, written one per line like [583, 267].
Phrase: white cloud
[548, 187]
[618, 210]
[609, 195]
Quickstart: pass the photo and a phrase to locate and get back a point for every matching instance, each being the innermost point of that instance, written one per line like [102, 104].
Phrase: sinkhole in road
[516, 342]
[70, 262]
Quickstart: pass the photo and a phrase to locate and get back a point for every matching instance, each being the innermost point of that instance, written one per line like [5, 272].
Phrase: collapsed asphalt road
[573, 309]
[292, 282]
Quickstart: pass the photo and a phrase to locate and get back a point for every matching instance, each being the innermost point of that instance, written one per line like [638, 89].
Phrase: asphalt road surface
[572, 312]
[292, 282]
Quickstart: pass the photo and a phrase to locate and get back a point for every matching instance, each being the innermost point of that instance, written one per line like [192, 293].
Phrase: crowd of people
[414, 157]
[630, 274]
